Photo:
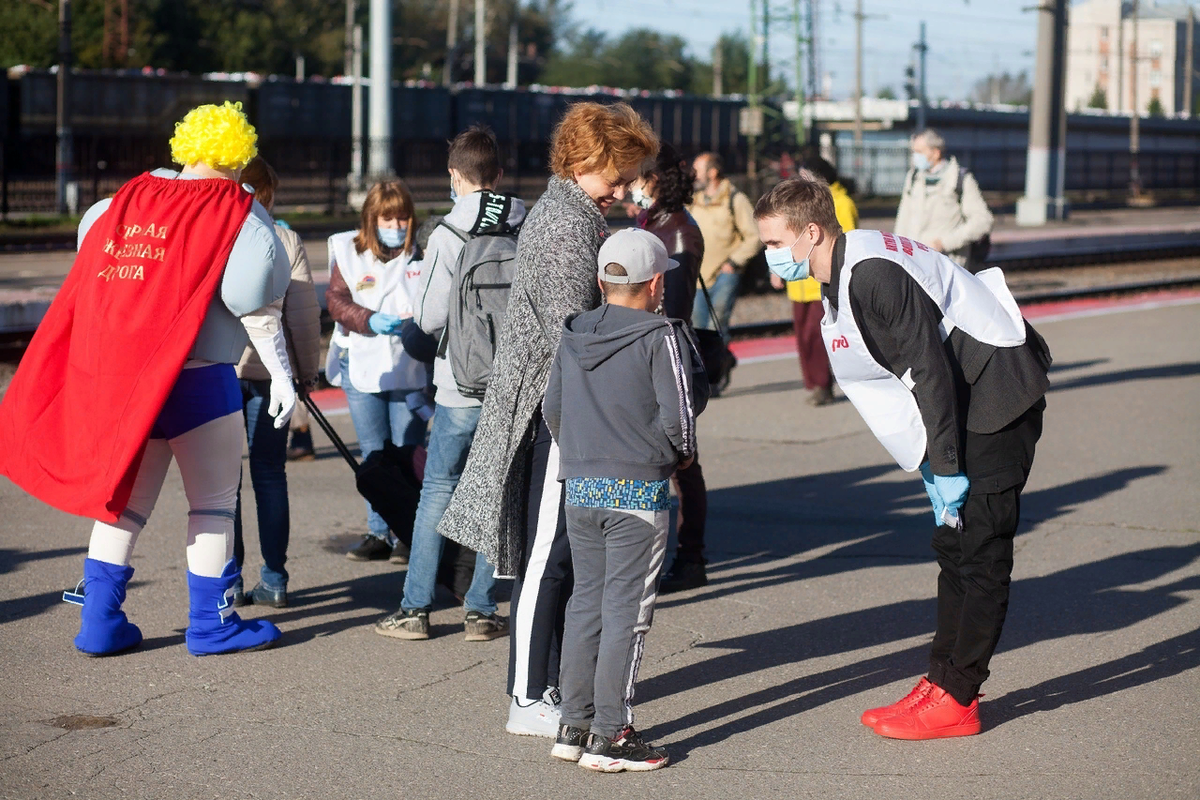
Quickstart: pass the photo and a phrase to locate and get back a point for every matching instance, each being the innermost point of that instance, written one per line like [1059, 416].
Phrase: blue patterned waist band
[618, 493]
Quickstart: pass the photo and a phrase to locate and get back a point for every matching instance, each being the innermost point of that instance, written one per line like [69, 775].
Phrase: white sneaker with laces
[535, 717]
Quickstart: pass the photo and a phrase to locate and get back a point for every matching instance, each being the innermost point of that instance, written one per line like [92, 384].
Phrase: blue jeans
[724, 294]
[379, 417]
[268, 456]
[449, 443]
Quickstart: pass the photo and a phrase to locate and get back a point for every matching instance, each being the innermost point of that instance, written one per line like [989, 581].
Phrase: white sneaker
[535, 717]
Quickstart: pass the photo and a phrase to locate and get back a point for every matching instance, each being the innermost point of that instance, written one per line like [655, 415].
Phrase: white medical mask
[639, 198]
[781, 261]
[392, 237]
[920, 161]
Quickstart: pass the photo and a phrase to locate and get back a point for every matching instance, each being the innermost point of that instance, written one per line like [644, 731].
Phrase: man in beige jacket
[726, 219]
[941, 204]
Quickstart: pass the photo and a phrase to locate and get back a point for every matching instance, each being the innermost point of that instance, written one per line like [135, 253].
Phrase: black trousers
[544, 580]
[693, 512]
[977, 562]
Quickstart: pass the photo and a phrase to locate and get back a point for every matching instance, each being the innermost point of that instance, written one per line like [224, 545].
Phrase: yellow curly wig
[218, 136]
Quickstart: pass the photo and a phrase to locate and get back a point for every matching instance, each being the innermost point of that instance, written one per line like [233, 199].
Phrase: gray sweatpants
[617, 555]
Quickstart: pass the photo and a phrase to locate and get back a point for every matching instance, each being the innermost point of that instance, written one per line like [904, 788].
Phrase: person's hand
[777, 282]
[947, 494]
[685, 463]
[384, 324]
[936, 244]
[728, 268]
[283, 402]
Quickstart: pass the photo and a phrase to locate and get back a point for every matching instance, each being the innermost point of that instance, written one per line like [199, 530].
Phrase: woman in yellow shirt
[806, 297]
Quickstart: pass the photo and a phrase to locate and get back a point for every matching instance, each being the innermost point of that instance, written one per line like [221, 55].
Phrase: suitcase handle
[330, 432]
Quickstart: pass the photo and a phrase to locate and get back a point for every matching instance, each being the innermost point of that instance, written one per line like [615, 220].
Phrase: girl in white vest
[373, 277]
[951, 380]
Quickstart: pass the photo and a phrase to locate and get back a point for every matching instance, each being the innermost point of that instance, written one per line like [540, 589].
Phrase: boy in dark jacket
[625, 388]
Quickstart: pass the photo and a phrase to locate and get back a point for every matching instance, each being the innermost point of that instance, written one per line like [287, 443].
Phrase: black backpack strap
[712, 312]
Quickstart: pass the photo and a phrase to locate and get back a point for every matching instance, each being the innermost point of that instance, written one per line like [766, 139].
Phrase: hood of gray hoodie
[486, 212]
[595, 340]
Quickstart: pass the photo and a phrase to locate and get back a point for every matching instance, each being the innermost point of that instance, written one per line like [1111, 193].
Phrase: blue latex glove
[384, 324]
[947, 494]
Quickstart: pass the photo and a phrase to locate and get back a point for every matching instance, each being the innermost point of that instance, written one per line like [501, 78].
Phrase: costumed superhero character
[134, 364]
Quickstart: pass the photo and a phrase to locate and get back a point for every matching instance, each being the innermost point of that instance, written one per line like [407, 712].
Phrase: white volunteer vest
[376, 363]
[981, 305]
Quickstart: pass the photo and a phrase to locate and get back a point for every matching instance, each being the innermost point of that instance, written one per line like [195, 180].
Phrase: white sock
[113, 544]
[208, 550]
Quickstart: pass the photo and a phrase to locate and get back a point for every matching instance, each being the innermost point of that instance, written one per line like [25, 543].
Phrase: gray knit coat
[556, 270]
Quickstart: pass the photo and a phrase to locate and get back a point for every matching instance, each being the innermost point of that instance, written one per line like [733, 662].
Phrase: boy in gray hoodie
[625, 388]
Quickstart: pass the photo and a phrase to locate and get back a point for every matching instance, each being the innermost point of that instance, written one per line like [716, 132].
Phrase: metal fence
[880, 168]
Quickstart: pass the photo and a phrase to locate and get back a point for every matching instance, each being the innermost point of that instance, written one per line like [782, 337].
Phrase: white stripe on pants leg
[661, 520]
[547, 525]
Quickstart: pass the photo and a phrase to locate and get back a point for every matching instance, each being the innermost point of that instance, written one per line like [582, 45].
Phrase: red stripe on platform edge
[329, 399]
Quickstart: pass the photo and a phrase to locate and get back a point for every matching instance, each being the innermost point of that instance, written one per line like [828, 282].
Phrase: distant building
[1100, 59]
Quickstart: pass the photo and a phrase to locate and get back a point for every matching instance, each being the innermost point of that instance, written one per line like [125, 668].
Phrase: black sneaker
[570, 743]
[400, 553]
[371, 548]
[683, 575]
[483, 628]
[405, 625]
[263, 596]
[624, 752]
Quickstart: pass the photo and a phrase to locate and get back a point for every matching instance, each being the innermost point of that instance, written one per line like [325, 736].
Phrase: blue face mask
[392, 237]
[920, 161]
[781, 261]
[453, 194]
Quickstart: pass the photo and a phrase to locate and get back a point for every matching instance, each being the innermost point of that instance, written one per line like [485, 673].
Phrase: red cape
[76, 418]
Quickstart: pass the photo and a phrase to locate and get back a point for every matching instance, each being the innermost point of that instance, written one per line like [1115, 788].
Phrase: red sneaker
[938, 716]
[871, 717]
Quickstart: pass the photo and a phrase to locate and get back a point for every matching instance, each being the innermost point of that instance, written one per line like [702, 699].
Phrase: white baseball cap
[641, 253]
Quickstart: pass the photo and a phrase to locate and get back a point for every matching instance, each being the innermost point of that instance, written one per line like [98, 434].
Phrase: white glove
[266, 334]
[283, 402]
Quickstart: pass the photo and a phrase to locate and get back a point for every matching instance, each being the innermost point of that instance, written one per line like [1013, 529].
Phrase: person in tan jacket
[726, 219]
[268, 445]
[941, 204]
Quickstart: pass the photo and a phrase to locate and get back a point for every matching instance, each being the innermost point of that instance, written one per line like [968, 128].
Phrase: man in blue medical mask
[951, 380]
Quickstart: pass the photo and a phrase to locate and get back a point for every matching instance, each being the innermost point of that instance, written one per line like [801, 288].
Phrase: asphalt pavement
[820, 604]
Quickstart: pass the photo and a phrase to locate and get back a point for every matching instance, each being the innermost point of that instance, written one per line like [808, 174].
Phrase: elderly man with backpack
[467, 270]
[941, 204]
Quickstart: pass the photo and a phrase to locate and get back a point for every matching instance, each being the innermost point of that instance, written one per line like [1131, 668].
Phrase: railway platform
[820, 604]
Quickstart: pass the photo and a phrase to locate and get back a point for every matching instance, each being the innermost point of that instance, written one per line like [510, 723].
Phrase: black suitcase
[387, 481]
[385, 478]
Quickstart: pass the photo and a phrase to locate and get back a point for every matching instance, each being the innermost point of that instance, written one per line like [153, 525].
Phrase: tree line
[267, 36]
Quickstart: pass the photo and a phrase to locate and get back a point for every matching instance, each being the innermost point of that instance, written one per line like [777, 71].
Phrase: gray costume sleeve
[258, 271]
[89, 219]
[552, 402]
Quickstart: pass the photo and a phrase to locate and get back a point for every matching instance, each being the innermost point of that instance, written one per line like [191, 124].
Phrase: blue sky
[967, 40]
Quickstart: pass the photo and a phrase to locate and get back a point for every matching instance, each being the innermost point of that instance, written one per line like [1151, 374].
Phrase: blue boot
[214, 627]
[103, 627]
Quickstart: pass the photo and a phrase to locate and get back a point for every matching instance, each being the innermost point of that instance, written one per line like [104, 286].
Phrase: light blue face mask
[920, 161]
[453, 194]
[781, 261]
[392, 237]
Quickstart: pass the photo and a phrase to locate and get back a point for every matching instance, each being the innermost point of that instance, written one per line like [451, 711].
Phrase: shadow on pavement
[1186, 370]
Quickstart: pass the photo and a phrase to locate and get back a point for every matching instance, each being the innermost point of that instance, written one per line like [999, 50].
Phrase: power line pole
[480, 42]
[348, 55]
[1047, 146]
[64, 155]
[750, 122]
[1189, 65]
[1135, 178]
[381, 88]
[814, 73]
[451, 44]
[922, 100]
[510, 80]
[356, 110]
[718, 86]
[798, 35]
[859, 18]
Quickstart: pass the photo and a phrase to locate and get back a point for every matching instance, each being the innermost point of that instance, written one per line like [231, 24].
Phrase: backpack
[977, 251]
[483, 277]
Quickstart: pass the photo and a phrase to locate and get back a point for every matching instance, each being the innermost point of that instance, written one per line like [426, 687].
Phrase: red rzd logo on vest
[840, 343]
[897, 243]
